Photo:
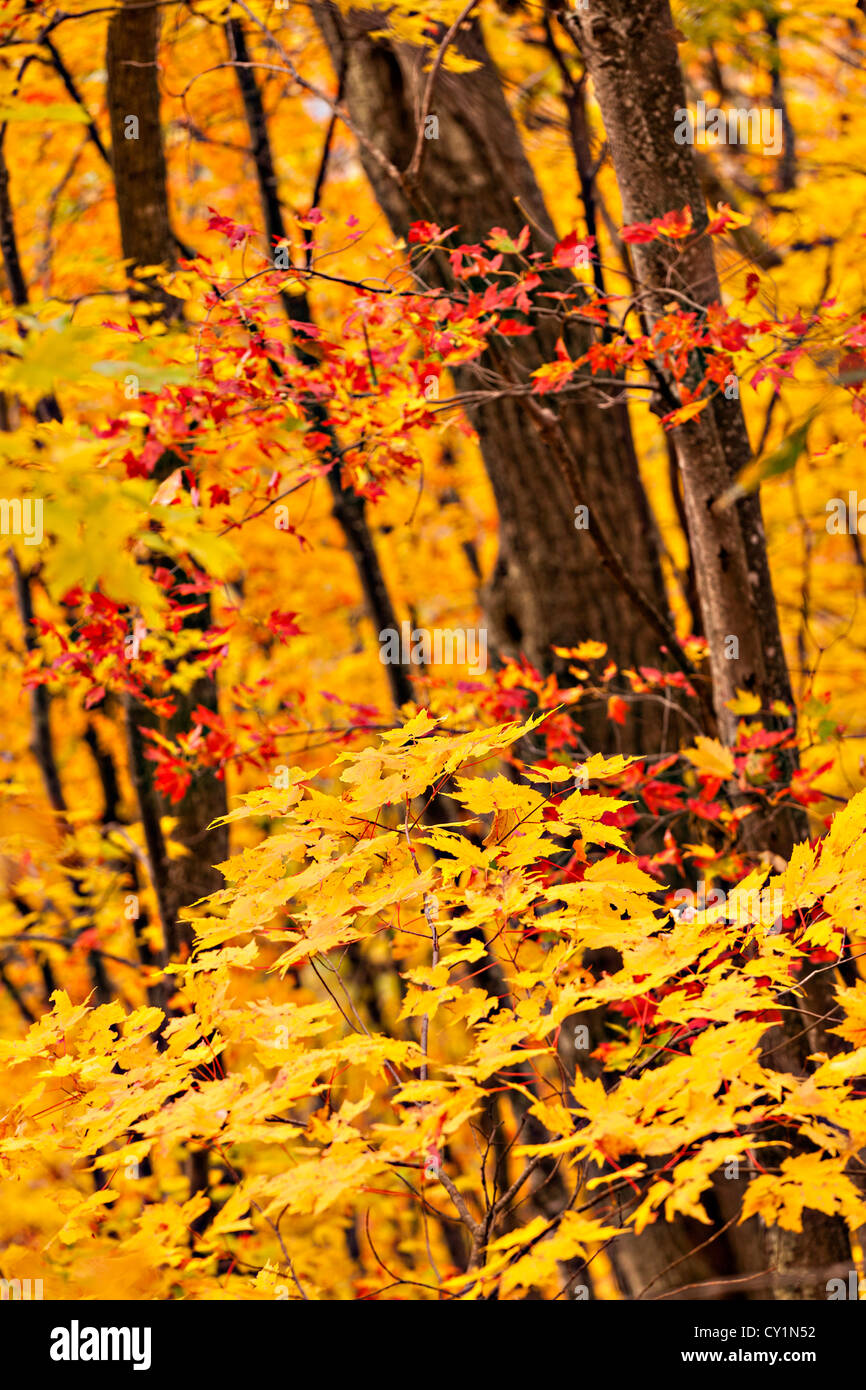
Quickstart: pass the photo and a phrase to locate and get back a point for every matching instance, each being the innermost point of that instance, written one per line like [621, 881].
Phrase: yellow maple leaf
[744, 703]
[711, 757]
[584, 651]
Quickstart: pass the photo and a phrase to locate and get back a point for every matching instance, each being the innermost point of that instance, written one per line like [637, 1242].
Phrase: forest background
[531, 976]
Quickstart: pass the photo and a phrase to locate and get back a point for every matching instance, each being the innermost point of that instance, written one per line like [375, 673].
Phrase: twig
[431, 914]
[414, 166]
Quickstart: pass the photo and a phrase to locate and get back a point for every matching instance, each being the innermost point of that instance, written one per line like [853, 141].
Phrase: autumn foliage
[541, 981]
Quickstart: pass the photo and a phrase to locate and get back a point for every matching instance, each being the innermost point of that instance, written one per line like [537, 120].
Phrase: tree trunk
[138, 157]
[142, 205]
[138, 160]
[786, 173]
[629, 49]
[547, 586]
[630, 52]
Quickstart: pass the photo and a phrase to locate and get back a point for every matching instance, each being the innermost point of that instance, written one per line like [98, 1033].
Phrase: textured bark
[146, 238]
[138, 158]
[142, 206]
[630, 52]
[547, 586]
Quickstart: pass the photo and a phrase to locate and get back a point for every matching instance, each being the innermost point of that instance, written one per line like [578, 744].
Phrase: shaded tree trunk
[138, 160]
[142, 205]
[547, 586]
[630, 52]
[786, 172]
[629, 49]
[137, 153]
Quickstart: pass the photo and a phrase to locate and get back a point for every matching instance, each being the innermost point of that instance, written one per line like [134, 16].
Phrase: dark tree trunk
[786, 173]
[547, 586]
[137, 153]
[146, 238]
[630, 52]
[142, 206]
[629, 49]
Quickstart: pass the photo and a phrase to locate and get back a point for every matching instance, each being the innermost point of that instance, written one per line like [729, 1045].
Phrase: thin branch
[414, 166]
